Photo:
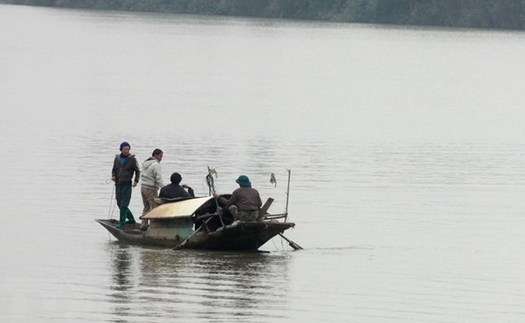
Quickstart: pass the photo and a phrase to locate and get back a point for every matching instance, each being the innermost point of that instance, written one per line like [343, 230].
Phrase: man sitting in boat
[244, 203]
[174, 190]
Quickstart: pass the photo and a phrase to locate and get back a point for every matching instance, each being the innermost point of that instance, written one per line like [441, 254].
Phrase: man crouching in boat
[174, 189]
[244, 203]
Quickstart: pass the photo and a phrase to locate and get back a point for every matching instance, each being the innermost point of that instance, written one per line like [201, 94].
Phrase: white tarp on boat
[184, 208]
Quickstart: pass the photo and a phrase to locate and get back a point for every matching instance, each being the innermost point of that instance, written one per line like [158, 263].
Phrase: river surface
[405, 144]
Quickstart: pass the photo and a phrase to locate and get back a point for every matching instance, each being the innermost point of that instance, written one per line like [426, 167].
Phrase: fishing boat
[204, 223]
[199, 223]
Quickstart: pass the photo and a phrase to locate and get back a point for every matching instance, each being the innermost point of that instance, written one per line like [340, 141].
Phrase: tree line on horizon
[494, 14]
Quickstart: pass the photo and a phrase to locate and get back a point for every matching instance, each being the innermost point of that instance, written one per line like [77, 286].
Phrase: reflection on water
[158, 283]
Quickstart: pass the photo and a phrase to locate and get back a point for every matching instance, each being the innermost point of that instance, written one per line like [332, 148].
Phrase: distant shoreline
[486, 14]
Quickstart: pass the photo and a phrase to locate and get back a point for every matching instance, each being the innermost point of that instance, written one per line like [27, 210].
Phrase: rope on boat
[292, 244]
[210, 183]
[112, 203]
[211, 186]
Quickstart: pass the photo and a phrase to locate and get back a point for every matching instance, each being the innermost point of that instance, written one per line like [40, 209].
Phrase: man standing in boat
[151, 183]
[124, 166]
[245, 202]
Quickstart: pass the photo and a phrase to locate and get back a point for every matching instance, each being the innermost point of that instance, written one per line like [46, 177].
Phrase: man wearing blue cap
[124, 166]
[245, 202]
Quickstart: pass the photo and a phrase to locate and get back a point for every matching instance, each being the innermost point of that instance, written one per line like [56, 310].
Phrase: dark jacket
[123, 173]
[171, 191]
[246, 199]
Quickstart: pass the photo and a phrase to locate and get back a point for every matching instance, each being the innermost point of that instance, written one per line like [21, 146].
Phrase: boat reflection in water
[169, 283]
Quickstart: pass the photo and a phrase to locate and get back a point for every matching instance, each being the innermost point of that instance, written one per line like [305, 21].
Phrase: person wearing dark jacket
[174, 190]
[244, 203]
[124, 166]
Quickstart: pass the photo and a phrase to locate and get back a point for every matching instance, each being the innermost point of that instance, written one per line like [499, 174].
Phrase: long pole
[287, 195]
[292, 244]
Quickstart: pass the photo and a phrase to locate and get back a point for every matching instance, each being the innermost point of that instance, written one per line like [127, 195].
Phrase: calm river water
[406, 147]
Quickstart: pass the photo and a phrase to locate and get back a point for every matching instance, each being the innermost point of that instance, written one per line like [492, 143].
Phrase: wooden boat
[198, 223]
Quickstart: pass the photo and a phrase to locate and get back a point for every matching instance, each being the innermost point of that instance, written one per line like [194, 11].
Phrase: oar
[185, 241]
[292, 244]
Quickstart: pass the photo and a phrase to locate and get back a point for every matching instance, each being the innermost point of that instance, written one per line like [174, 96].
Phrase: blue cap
[124, 144]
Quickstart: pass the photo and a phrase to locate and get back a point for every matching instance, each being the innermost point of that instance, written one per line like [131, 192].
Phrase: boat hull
[242, 236]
